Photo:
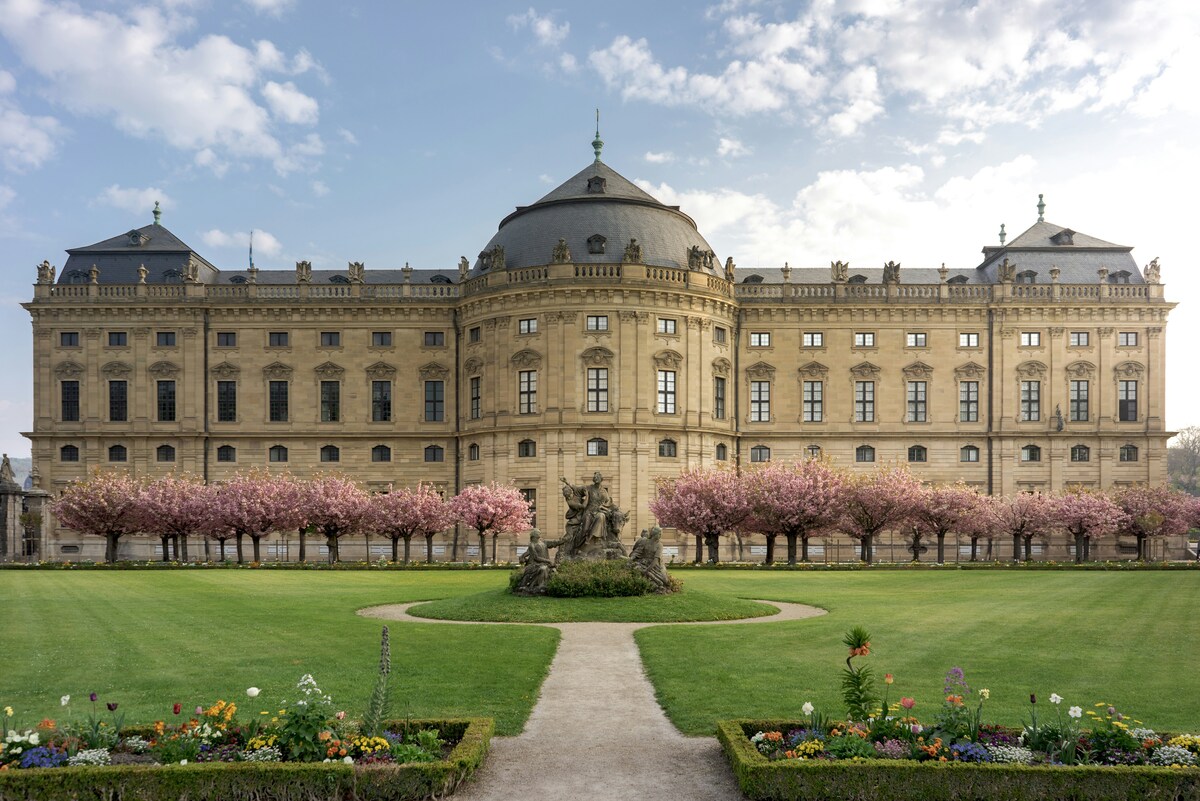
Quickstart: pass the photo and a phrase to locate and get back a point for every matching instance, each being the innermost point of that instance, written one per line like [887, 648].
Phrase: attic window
[1119, 277]
[338, 279]
[752, 279]
[136, 239]
[1027, 277]
[958, 279]
[595, 185]
[238, 279]
[440, 279]
[1064, 237]
[857, 279]
[77, 277]
[596, 242]
[172, 277]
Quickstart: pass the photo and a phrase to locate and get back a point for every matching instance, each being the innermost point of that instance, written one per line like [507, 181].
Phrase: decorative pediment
[329, 370]
[1128, 370]
[918, 369]
[68, 370]
[225, 370]
[1031, 369]
[668, 359]
[277, 370]
[813, 370]
[473, 365]
[970, 370]
[380, 371]
[597, 356]
[116, 369]
[721, 367]
[526, 358]
[760, 371]
[433, 371]
[164, 369]
[864, 370]
[1081, 369]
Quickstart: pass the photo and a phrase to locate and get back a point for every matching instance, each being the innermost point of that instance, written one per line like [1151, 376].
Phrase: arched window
[813, 451]
[722, 452]
[597, 446]
[1081, 453]
[440, 279]
[917, 453]
[752, 279]
[338, 279]
[381, 453]
[857, 279]
[595, 243]
[172, 277]
[77, 277]
[226, 453]
[1128, 453]
[473, 452]
[68, 453]
[666, 448]
[760, 453]
[1027, 277]
[117, 453]
[957, 279]
[165, 453]
[1031, 453]
[526, 448]
[968, 453]
[435, 453]
[331, 453]
[277, 453]
[237, 279]
[1119, 277]
[864, 453]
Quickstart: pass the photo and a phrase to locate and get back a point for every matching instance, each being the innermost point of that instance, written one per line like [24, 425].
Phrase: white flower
[807, 708]
[183, 762]
[1075, 712]
[985, 693]
[252, 692]
[33, 738]
[1055, 698]
[348, 761]
[66, 699]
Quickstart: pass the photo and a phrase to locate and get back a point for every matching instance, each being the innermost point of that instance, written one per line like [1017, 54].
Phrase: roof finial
[1003, 235]
[251, 248]
[597, 143]
[157, 213]
[1041, 208]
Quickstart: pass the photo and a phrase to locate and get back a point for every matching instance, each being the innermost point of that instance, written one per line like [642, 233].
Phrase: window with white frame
[968, 340]
[1031, 339]
[597, 322]
[527, 326]
[760, 339]
[915, 339]
[813, 339]
[864, 339]
[760, 401]
[527, 392]
[814, 394]
[917, 401]
[1127, 339]
[864, 401]
[1078, 339]
[1031, 401]
[968, 401]
[597, 389]
[666, 392]
[666, 325]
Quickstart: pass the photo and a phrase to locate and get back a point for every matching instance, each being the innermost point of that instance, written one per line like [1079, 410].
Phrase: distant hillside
[21, 466]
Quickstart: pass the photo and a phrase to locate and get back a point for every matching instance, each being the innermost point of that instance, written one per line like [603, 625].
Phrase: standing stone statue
[562, 253]
[646, 557]
[599, 521]
[6, 471]
[538, 565]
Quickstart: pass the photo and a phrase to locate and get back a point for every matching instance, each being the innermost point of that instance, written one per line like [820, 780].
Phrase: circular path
[603, 740]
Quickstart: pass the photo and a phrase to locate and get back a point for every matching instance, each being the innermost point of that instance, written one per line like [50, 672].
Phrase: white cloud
[567, 63]
[133, 199]
[544, 28]
[7, 82]
[347, 136]
[264, 242]
[290, 104]
[26, 141]
[546, 179]
[7, 195]
[732, 148]
[301, 156]
[659, 158]
[320, 188]
[272, 7]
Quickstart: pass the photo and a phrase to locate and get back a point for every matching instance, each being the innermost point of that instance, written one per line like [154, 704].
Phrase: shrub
[612, 578]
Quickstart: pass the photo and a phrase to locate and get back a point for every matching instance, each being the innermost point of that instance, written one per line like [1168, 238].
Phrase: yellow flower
[8, 711]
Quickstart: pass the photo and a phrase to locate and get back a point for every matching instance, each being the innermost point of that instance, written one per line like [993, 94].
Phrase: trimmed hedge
[916, 566]
[280, 781]
[227, 565]
[902, 780]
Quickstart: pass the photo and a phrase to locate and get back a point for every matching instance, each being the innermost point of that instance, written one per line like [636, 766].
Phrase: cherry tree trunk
[482, 548]
[770, 560]
[804, 548]
[494, 548]
[1078, 549]
[331, 545]
[1141, 547]
[302, 532]
[1029, 549]
[1017, 547]
[791, 548]
[974, 548]
[396, 549]
[699, 549]
[429, 549]
[183, 548]
[1087, 549]
[110, 547]
[866, 548]
[240, 550]
[255, 539]
[713, 541]
[221, 552]
[165, 539]
[941, 547]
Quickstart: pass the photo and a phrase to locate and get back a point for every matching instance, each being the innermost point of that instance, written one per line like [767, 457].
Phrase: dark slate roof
[616, 185]
[324, 276]
[118, 258]
[1078, 262]
[874, 275]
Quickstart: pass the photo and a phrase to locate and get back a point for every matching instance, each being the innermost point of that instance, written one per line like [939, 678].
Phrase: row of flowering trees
[255, 504]
[812, 498]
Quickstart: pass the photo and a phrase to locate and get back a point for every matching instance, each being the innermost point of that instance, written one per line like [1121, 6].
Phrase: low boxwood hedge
[902, 780]
[281, 781]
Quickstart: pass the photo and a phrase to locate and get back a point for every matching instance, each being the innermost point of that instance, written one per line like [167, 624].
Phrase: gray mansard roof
[118, 258]
[1046, 245]
[370, 276]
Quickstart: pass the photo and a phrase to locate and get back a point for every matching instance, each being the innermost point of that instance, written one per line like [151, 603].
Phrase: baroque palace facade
[598, 331]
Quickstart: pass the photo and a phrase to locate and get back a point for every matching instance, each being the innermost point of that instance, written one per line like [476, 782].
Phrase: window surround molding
[526, 359]
[381, 371]
[597, 357]
[668, 360]
[164, 370]
[434, 372]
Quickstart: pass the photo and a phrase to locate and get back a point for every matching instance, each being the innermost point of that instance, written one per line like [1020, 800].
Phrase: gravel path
[604, 739]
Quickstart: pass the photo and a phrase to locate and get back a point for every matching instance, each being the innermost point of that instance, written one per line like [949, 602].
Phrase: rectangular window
[165, 339]
[226, 339]
[1031, 339]
[226, 401]
[1079, 339]
[475, 334]
[915, 340]
[530, 496]
[760, 401]
[968, 401]
[719, 398]
[1079, 402]
[331, 401]
[1127, 339]
[813, 339]
[666, 392]
[916, 401]
[381, 339]
[1127, 401]
[70, 401]
[597, 322]
[166, 401]
[720, 334]
[760, 339]
[277, 401]
[666, 325]
[1031, 401]
[118, 401]
[118, 339]
[68, 339]
[864, 401]
[277, 339]
[813, 401]
[864, 339]
[527, 326]
[527, 392]
[435, 401]
[435, 339]
[381, 401]
[331, 339]
[970, 340]
[476, 397]
[597, 389]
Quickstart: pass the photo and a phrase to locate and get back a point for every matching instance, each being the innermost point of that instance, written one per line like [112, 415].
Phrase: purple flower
[112, 706]
[93, 698]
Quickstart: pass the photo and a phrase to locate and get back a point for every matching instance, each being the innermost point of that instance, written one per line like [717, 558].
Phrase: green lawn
[499, 605]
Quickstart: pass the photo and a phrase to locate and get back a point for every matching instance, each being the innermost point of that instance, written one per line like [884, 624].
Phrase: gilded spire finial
[597, 143]
[1003, 235]
[157, 213]
[1041, 208]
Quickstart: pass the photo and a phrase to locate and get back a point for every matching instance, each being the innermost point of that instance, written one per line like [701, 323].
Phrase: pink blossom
[105, 504]
[403, 513]
[798, 500]
[335, 506]
[877, 501]
[491, 509]
[706, 503]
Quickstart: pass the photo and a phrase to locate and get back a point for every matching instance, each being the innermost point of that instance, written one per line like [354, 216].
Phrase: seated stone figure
[538, 566]
[646, 557]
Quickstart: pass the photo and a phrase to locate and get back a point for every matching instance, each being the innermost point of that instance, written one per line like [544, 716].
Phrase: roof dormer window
[77, 277]
[338, 279]
[1026, 277]
[137, 239]
[595, 185]
[440, 279]
[857, 279]
[1119, 277]
[596, 243]
[1064, 237]
[172, 277]
[958, 279]
[237, 279]
[752, 279]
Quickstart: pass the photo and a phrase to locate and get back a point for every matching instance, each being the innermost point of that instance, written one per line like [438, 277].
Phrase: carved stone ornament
[633, 253]
[729, 268]
[1153, 272]
[164, 369]
[116, 369]
[1128, 370]
[597, 357]
[464, 267]
[69, 370]
[1008, 333]
[1007, 272]
[699, 323]
[1056, 333]
[277, 370]
[190, 332]
[380, 371]
[1081, 369]
[760, 371]
[891, 272]
[433, 371]
[329, 370]
[225, 370]
[864, 370]
[303, 272]
[918, 370]
[630, 316]
[141, 332]
[721, 367]
[191, 271]
[562, 253]
[492, 259]
[1031, 369]
[813, 370]
[1154, 332]
[668, 359]
[969, 370]
[45, 273]
[698, 259]
[839, 271]
[473, 365]
[357, 272]
[526, 358]
[1105, 332]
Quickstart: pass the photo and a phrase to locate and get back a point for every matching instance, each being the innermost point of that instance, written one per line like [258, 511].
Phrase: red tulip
[176, 709]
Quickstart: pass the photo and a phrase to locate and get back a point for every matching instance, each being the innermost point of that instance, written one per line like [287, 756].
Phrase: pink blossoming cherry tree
[334, 506]
[877, 501]
[705, 503]
[1152, 512]
[105, 504]
[174, 507]
[491, 509]
[1022, 516]
[1086, 516]
[400, 514]
[253, 505]
[945, 508]
[797, 500]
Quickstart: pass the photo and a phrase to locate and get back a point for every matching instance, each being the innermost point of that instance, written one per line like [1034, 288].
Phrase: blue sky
[393, 132]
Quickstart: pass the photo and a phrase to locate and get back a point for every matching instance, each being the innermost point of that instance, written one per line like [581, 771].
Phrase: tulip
[199, 710]
[66, 699]
[177, 708]
[887, 678]
[8, 711]
[1033, 698]
[907, 703]
[112, 706]
[807, 708]
[93, 698]
[340, 716]
[252, 692]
